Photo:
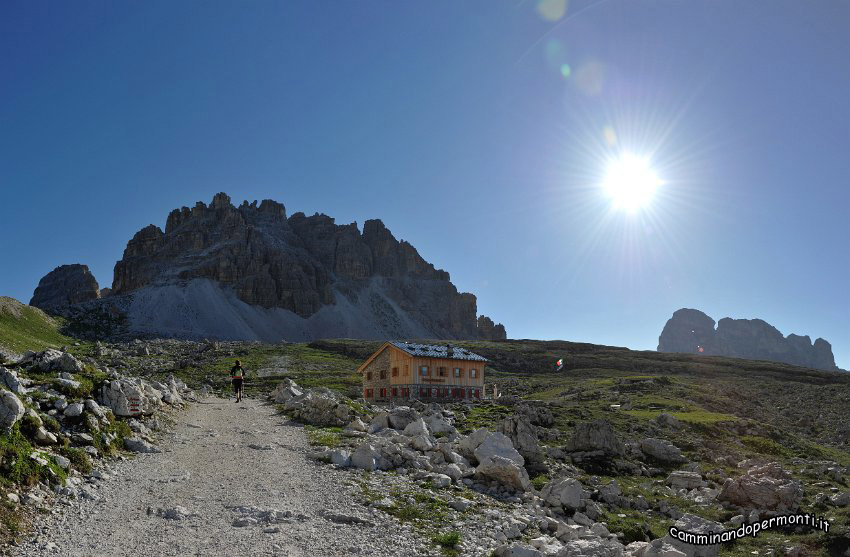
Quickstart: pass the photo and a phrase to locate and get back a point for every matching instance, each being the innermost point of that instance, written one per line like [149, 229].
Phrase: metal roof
[438, 351]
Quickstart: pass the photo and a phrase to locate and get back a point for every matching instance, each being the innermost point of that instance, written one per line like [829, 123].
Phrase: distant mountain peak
[692, 331]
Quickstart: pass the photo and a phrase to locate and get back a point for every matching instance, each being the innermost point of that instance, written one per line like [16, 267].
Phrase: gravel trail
[225, 464]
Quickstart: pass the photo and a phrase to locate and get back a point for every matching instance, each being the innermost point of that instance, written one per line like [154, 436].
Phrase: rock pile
[313, 406]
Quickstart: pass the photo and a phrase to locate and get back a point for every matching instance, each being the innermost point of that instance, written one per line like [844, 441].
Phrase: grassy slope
[23, 327]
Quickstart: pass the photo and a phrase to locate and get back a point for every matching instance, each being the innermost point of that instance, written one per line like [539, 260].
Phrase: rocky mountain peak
[333, 274]
[692, 331]
[65, 285]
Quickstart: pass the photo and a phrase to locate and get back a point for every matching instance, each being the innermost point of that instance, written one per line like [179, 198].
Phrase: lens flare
[552, 10]
[630, 182]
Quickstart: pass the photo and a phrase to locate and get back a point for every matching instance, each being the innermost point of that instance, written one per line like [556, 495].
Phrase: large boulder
[496, 457]
[11, 410]
[130, 397]
[684, 479]
[439, 423]
[416, 428]
[65, 285]
[695, 525]
[662, 451]
[596, 436]
[840, 499]
[505, 471]
[497, 444]
[566, 492]
[369, 456]
[401, 416]
[10, 380]
[466, 446]
[286, 390]
[767, 487]
[523, 436]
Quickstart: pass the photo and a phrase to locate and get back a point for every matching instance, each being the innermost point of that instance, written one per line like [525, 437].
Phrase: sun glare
[630, 182]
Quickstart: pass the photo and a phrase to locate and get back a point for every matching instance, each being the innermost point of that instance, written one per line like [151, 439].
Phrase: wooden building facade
[400, 371]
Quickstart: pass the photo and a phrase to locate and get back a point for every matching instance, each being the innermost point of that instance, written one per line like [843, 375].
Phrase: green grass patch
[637, 526]
[85, 389]
[815, 450]
[419, 507]
[117, 428]
[11, 521]
[484, 415]
[79, 459]
[539, 481]
[16, 466]
[700, 417]
[448, 542]
[763, 445]
[323, 436]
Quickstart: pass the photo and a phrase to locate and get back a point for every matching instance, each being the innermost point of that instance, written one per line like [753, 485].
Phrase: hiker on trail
[237, 374]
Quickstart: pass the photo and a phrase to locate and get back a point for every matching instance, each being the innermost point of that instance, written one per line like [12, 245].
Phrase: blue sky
[479, 131]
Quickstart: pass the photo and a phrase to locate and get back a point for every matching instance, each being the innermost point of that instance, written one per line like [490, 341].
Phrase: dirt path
[209, 467]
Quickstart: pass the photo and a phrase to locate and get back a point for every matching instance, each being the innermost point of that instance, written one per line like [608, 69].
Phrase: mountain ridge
[285, 270]
[692, 331]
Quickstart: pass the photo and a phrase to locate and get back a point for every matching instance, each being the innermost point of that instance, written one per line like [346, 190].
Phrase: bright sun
[630, 181]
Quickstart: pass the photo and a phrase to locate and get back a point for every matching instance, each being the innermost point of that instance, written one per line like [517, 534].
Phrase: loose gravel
[232, 479]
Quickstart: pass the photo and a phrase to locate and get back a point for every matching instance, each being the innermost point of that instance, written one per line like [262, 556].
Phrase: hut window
[395, 372]
[368, 376]
[442, 372]
[458, 372]
[423, 371]
[383, 374]
[473, 372]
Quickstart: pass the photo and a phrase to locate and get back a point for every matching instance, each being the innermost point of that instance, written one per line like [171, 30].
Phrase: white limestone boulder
[696, 525]
[767, 487]
[505, 471]
[662, 450]
[11, 410]
[566, 492]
